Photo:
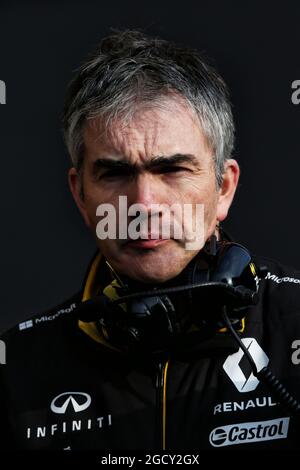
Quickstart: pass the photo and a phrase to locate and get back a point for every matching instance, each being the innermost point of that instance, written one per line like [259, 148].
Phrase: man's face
[163, 158]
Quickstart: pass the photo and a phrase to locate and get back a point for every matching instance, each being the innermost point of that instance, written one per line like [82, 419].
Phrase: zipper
[161, 389]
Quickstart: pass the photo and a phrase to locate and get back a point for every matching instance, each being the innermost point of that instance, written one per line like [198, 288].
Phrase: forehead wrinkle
[143, 137]
[136, 142]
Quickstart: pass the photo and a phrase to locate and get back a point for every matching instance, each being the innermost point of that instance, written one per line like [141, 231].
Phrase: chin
[151, 277]
[156, 268]
[151, 266]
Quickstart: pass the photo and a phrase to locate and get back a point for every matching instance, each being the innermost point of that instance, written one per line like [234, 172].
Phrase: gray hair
[128, 70]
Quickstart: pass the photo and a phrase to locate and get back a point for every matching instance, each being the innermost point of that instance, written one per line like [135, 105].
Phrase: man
[151, 122]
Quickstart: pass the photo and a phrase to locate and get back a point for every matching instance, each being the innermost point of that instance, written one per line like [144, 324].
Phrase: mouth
[145, 244]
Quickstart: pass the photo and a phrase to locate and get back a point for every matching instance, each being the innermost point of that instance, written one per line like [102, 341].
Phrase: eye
[115, 173]
[172, 169]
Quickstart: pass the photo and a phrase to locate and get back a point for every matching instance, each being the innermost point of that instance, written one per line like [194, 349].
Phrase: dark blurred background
[255, 45]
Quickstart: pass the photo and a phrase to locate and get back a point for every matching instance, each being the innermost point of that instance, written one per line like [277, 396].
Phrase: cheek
[211, 203]
[207, 196]
[202, 194]
[94, 199]
[91, 206]
[94, 196]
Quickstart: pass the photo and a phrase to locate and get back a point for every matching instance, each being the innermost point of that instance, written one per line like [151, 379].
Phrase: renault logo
[239, 370]
[80, 403]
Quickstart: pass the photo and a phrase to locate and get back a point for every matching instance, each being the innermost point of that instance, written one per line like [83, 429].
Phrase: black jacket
[60, 389]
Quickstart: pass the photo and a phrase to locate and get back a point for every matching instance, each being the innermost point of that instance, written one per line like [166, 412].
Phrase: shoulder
[277, 274]
[279, 286]
[277, 270]
[44, 322]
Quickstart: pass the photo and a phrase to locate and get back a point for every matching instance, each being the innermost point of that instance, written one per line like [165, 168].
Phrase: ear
[75, 184]
[228, 188]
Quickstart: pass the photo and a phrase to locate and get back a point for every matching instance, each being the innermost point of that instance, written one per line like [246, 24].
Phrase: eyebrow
[158, 161]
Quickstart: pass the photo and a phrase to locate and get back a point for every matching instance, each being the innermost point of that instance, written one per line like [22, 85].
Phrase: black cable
[172, 290]
[87, 309]
[238, 340]
[265, 375]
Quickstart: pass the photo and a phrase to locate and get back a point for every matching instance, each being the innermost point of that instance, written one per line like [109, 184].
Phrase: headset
[212, 292]
[155, 319]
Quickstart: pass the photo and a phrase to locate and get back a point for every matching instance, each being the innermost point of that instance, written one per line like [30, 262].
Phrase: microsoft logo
[26, 324]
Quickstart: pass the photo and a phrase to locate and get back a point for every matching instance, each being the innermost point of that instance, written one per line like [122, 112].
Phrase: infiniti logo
[60, 403]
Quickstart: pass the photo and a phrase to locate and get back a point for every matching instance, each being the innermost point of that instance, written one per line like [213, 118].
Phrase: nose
[145, 189]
